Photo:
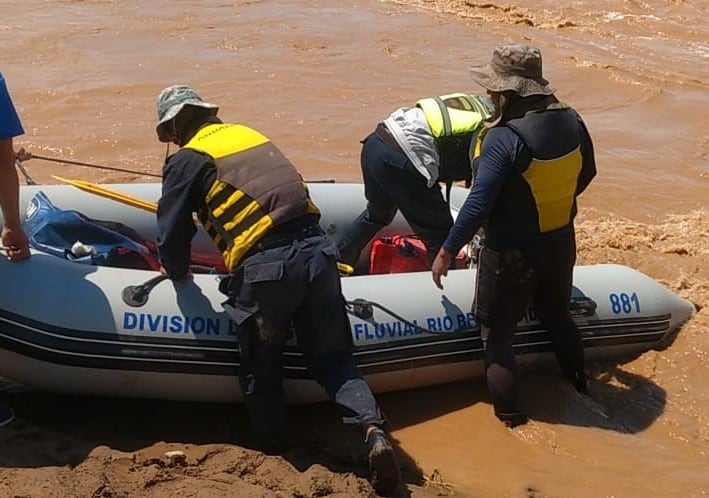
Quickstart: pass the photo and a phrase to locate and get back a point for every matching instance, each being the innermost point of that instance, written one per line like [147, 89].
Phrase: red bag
[401, 254]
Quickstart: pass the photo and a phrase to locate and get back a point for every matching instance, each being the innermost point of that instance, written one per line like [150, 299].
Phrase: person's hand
[440, 266]
[23, 155]
[15, 244]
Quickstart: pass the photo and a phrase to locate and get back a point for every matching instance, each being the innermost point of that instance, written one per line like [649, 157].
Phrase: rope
[363, 309]
[97, 166]
[582, 306]
[110, 168]
[28, 178]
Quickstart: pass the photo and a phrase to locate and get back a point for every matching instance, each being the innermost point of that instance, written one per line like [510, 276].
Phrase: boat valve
[137, 295]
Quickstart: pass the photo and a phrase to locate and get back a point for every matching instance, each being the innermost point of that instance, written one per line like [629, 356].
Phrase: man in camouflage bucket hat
[532, 160]
[171, 101]
[516, 68]
[254, 205]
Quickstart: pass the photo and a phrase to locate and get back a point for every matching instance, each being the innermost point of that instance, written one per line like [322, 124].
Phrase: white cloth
[410, 129]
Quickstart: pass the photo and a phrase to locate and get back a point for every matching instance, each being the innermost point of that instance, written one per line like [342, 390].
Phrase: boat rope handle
[582, 306]
[362, 308]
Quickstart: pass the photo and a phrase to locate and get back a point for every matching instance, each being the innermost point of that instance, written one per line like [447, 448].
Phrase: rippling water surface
[316, 76]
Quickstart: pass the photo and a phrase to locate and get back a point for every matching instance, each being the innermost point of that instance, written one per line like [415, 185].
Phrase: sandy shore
[67, 446]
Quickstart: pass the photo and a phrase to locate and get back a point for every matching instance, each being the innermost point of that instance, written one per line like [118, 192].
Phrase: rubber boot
[384, 472]
[579, 380]
[356, 238]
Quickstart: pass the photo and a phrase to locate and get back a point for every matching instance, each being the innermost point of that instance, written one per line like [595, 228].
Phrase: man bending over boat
[404, 161]
[255, 206]
[14, 240]
[530, 163]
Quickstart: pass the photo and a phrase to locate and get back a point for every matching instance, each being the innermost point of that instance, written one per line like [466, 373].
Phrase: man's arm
[588, 166]
[13, 236]
[495, 164]
[9, 185]
[176, 226]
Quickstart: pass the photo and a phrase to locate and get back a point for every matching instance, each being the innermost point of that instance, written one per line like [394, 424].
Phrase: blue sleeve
[182, 175]
[495, 164]
[10, 124]
[588, 166]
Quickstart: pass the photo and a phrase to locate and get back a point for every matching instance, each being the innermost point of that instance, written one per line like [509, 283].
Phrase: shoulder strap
[447, 127]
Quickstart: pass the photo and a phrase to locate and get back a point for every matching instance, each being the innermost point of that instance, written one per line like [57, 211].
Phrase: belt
[385, 135]
[283, 239]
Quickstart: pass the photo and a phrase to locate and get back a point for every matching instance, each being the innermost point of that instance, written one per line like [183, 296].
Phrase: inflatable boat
[79, 328]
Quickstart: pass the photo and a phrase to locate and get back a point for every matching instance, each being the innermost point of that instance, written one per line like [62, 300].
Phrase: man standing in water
[256, 208]
[14, 240]
[530, 163]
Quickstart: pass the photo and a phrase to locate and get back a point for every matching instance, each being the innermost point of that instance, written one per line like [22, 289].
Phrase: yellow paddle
[151, 207]
[93, 188]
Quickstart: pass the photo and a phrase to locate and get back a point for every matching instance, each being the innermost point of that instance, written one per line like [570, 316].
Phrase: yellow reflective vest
[454, 120]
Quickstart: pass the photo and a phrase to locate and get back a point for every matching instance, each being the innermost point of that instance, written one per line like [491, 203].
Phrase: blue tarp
[71, 235]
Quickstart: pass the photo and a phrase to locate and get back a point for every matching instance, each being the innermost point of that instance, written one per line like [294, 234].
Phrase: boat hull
[67, 327]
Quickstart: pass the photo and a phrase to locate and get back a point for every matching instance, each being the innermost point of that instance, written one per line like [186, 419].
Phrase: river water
[316, 76]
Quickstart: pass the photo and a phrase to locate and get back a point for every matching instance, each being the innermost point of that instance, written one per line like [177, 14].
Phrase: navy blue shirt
[503, 154]
[187, 175]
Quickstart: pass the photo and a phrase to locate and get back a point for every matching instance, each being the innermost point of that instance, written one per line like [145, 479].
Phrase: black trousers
[295, 285]
[507, 281]
[391, 183]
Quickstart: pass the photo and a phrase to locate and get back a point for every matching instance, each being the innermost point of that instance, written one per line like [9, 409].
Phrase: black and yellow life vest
[542, 196]
[454, 120]
[256, 188]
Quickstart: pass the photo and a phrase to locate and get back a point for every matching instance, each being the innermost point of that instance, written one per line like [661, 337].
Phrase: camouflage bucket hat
[172, 100]
[513, 67]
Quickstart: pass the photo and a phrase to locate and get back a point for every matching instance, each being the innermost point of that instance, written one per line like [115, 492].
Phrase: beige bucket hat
[513, 67]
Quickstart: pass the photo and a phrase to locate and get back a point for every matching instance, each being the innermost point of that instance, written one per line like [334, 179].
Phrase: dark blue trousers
[391, 183]
[296, 285]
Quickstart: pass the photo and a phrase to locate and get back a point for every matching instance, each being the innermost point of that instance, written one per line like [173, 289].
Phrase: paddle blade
[108, 193]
